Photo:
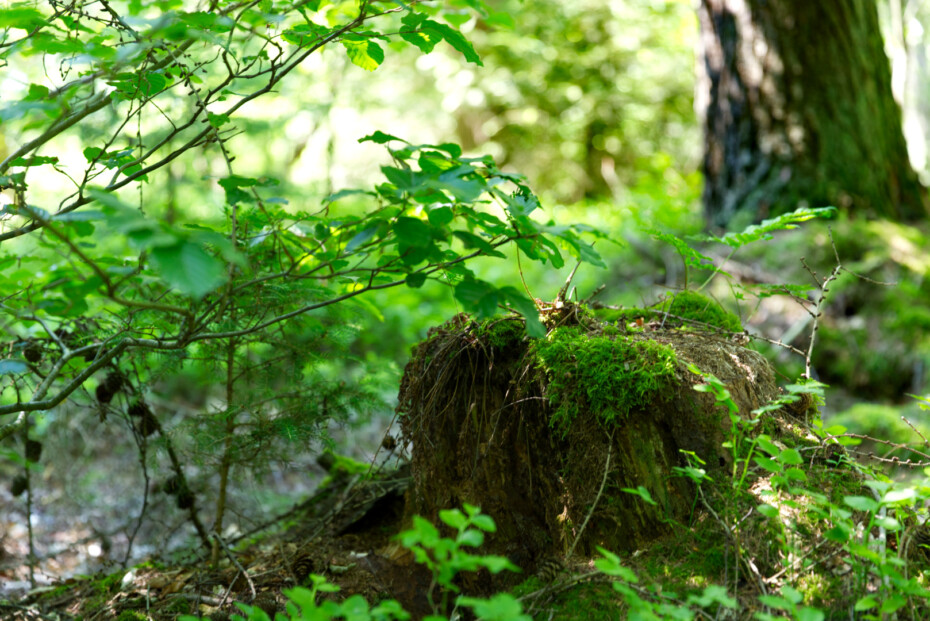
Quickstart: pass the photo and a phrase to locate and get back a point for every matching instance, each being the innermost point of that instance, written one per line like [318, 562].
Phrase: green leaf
[810, 614]
[764, 230]
[207, 21]
[766, 444]
[79, 216]
[642, 492]
[335, 196]
[361, 238]
[402, 178]
[188, 267]
[500, 607]
[366, 54]
[233, 185]
[454, 38]
[36, 160]
[900, 495]
[484, 522]
[18, 109]
[440, 216]
[306, 34]
[454, 518]
[21, 17]
[463, 190]
[11, 366]
[500, 19]
[768, 511]
[472, 538]
[477, 295]
[689, 255]
[861, 503]
[380, 137]
[516, 300]
[521, 203]
[36, 92]
[774, 601]
[713, 594]
[865, 603]
[411, 32]
[451, 148]
[415, 280]
[217, 120]
[840, 534]
[412, 232]
[892, 604]
[476, 242]
[888, 523]
[610, 565]
[154, 83]
[791, 457]
[791, 594]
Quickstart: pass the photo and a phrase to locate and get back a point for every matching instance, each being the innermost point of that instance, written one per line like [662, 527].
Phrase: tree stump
[498, 420]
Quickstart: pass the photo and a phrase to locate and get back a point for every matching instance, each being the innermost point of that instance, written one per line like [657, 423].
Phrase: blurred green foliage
[605, 88]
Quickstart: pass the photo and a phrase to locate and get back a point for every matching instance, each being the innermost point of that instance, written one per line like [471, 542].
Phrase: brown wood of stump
[478, 420]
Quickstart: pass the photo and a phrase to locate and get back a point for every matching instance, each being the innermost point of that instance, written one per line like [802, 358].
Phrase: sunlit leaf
[454, 38]
[366, 54]
[380, 137]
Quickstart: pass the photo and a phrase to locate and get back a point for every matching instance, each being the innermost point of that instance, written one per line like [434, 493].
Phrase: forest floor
[344, 532]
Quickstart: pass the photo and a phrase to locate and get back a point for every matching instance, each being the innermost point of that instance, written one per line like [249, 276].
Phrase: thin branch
[232, 558]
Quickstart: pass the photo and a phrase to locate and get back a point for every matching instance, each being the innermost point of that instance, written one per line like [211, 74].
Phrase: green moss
[590, 601]
[342, 466]
[106, 584]
[693, 305]
[817, 590]
[609, 375]
[501, 333]
[132, 615]
[623, 315]
[178, 605]
[103, 588]
[347, 465]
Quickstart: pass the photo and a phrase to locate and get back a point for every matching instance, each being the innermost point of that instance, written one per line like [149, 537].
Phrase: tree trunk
[797, 109]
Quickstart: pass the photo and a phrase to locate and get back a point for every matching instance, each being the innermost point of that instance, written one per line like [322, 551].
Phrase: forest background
[591, 102]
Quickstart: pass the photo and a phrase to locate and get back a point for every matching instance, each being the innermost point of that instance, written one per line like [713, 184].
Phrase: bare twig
[568, 281]
[232, 559]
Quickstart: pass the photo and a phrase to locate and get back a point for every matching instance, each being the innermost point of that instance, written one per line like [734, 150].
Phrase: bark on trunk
[797, 109]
